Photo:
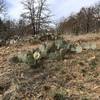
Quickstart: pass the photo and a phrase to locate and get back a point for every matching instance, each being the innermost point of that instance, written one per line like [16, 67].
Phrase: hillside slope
[77, 77]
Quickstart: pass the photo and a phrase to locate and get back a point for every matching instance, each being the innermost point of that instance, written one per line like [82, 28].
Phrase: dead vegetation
[76, 77]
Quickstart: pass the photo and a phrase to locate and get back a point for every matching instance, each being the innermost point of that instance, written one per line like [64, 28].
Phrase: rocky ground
[76, 77]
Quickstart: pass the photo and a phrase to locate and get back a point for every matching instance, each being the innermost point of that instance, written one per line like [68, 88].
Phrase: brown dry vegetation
[87, 37]
[77, 77]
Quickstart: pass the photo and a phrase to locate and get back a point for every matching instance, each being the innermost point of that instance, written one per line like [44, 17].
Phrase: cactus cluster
[30, 58]
[45, 36]
[54, 51]
[89, 46]
[43, 50]
[75, 47]
[92, 46]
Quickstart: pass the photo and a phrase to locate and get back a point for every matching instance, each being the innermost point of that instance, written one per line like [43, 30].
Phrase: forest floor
[77, 77]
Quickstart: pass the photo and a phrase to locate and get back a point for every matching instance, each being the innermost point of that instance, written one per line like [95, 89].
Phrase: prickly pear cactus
[93, 46]
[78, 49]
[67, 45]
[75, 47]
[22, 56]
[85, 46]
[54, 56]
[72, 47]
[43, 50]
[36, 55]
[30, 59]
[62, 52]
[25, 57]
[51, 47]
[59, 43]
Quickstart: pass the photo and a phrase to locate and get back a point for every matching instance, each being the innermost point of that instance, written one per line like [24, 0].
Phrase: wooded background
[37, 19]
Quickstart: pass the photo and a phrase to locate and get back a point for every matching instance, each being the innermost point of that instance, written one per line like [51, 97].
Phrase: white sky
[59, 8]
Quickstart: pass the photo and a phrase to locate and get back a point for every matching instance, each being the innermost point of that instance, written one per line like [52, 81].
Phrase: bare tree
[43, 15]
[97, 16]
[2, 6]
[37, 13]
[29, 14]
[87, 20]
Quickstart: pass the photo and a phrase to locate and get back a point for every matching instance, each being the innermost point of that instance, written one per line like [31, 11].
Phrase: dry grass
[87, 37]
[76, 77]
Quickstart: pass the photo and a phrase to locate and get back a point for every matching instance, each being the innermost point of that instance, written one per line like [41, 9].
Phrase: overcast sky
[59, 8]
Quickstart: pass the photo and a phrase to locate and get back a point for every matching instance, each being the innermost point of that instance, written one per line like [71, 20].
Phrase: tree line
[35, 19]
[87, 20]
